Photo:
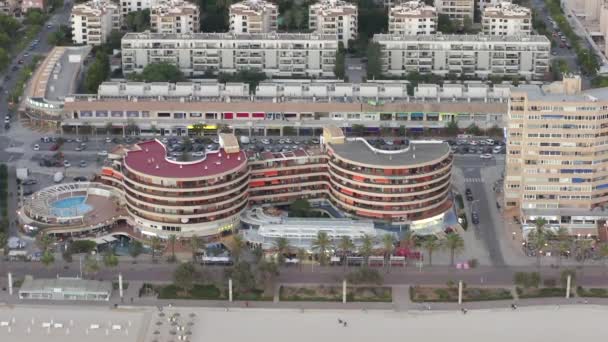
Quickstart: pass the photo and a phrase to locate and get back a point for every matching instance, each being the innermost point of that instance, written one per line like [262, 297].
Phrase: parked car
[80, 179]
[475, 218]
[36, 147]
[66, 163]
[82, 163]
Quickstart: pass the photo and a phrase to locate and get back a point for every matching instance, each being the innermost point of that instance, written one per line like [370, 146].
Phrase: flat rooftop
[67, 284]
[418, 153]
[150, 158]
[462, 38]
[228, 36]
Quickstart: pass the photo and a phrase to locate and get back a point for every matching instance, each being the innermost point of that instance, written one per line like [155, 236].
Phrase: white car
[485, 156]
[198, 154]
[265, 141]
[102, 153]
[66, 163]
[36, 147]
[108, 140]
[474, 143]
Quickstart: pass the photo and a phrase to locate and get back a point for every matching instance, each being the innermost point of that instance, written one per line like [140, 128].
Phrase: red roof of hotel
[152, 154]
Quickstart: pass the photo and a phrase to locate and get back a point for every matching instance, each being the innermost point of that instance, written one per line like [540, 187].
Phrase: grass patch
[592, 292]
[543, 292]
[420, 294]
[199, 291]
[253, 295]
[334, 294]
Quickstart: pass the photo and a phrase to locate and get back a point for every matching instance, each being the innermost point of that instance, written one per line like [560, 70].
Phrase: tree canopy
[98, 72]
[159, 72]
[138, 21]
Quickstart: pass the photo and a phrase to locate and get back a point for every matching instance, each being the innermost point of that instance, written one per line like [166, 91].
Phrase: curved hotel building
[405, 185]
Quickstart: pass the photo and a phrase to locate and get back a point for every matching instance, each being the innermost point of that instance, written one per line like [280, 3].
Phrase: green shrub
[550, 282]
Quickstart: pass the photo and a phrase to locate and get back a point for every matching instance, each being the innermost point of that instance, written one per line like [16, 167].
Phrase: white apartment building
[93, 21]
[483, 4]
[506, 19]
[472, 55]
[174, 16]
[8, 7]
[456, 9]
[277, 54]
[412, 18]
[128, 6]
[335, 17]
[253, 16]
[556, 166]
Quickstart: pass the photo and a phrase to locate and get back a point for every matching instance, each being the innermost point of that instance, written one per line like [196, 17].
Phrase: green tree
[237, 247]
[159, 72]
[267, 272]
[473, 129]
[138, 21]
[451, 129]
[603, 253]
[258, 253]
[374, 65]
[34, 17]
[388, 245]
[4, 59]
[251, 77]
[301, 254]
[110, 259]
[184, 276]
[445, 24]
[135, 249]
[582, 249]
[114, 39]
[366, 249]
[91, 266]
[345, 246]
[195, 246]
[455, 244]
[431, 244]
[155, 246]
[281, 245]
[299, 208]
[47, 258]
[321, 245]
[3, 239]
[45, 242]
[62, 36]
[243, 279]
[340, 67]
[98, 72]
[358, 130]
[538, 239]
[172, 239]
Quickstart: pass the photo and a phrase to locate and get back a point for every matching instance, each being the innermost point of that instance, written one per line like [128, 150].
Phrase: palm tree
[388, 243]
[431, 245]
[367, 248]
[603, 251]
[301, 254]
[345, 245]
[408, 240]
[45, 242]
[455, 244]
[282, 247]
[91, 266]
[172, 239]
[237, 247]
[195, 245]
[538, 238]
[321, 244]
[155, 246]
[560, 248]
[3, 240]
[583, 247]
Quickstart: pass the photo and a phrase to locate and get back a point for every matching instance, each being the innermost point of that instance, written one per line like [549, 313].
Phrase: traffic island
[331, 293]
[592, 292]
[420, 294]
[541, 292]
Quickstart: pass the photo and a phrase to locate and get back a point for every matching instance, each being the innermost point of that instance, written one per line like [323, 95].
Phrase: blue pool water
[73, 206]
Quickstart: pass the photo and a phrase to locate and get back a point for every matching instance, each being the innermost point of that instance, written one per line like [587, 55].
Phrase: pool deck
[104, 210]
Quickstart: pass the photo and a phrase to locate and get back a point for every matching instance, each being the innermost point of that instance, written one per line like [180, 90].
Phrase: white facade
[483, 4]
[456, 9]
[471, 55]
[174, 16]
[334, 17]
[279, 54]
[253, 16]
[93, 21]
[128, 6]
[412, 18]
[506, 19]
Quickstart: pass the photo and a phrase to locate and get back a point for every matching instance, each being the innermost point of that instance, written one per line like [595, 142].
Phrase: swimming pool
[72, 206]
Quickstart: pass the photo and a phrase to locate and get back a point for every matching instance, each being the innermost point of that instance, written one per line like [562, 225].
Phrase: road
[61, 16]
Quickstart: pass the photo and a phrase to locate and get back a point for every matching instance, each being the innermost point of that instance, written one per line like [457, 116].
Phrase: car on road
[108, 140]
[54, 147]
[27, 54]
[7, 125]
[469, 195]
[485, 156]
[36, 147]
[15, 68]
[80, 179]
[497, 149]
[21, 61]
[29, 182]
[103, 153]
[475, 218]
[66, 163]
[82, 163]
[78, 148]
[198, 154]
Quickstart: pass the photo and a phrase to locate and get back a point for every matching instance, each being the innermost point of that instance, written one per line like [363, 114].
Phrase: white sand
[568, 323]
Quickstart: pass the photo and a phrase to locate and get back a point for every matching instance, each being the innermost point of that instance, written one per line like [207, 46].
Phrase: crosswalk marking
[473, 180]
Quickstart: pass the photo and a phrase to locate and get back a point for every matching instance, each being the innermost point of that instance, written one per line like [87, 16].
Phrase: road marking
[473, 180]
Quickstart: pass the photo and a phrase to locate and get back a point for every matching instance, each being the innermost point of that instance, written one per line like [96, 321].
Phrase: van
[489, 141]
[58, 177]
[497, 149]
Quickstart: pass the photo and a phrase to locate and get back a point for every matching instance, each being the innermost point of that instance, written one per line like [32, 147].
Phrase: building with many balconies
[174, 16]
[556, 147]
[412, 18]
[128, 6]
[506, 19]
[276, 54]
[456, 9]
[253, 16]
[470, 55]
[93, 21]
[334, 17]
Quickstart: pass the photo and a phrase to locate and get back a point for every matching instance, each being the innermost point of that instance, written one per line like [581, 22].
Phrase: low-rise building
[253, 16]
[456, 9]
[9, 7]
[93, 21]
[334, 17]
[65, 289]
[506, 19]
[412, 18]
[174, 16]
[27, 5]
[128, 6]
[471, 55]
[276, 54]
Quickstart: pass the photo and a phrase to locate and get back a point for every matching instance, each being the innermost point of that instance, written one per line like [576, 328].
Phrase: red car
[54, 147]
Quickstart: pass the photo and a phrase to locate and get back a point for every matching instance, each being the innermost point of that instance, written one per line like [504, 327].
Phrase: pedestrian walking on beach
[345, 324]
[339, 321]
